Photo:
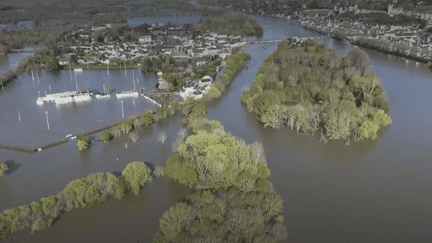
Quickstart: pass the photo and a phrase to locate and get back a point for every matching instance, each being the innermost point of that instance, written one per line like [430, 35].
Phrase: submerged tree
[233, 200]
[310, 87]
[162, 137]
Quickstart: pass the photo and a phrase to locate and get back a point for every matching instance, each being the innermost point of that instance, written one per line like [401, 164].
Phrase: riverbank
[416, 53]
[390, 47]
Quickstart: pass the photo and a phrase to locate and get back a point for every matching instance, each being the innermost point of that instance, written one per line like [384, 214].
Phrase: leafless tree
[162, 137]
[134, 136]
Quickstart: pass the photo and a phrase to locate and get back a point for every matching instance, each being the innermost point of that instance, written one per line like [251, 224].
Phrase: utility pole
[70, 71]
[76, 84]
[32, 75]
[133, 78]
[125, 68]
[38, 76]
[46, 112]
[122, 108]
[107, 69]
[39, 93]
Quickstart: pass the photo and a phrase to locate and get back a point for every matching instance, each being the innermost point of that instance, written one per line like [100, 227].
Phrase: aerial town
[402, 29]
[175, 42]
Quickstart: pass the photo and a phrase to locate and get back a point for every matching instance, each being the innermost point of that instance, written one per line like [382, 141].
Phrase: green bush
[3, 168]
[147, 118]
[106, 136]
[82, 145]
[159, 171]
[136, 175]
[126, 126]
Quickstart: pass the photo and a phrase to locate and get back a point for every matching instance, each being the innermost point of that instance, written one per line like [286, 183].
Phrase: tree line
[193, 110]
[232, 199]
[381, 19]
[311, 87]
[44, 56]
[229, 23]
[81, 193]
[128, 126]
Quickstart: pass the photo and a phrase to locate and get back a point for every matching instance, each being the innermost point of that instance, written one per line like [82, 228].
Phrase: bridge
[23, 50]
[265, 41]
[281, 39]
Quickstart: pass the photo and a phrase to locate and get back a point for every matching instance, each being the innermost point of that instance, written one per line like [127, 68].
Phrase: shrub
[126, 126]
[115, 131]
[82, 145]
[159, 171]
[136, 175]
[106, 136]
[84, 138]
[3, 168]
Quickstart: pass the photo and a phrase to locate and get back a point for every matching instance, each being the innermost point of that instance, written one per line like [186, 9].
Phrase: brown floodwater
[371, 191]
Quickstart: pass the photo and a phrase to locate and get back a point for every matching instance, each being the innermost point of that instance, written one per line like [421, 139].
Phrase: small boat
[78, 70]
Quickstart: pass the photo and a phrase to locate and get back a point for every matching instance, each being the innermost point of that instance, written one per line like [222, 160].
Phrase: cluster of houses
[319, 19]
[410, 35]
[179, 45]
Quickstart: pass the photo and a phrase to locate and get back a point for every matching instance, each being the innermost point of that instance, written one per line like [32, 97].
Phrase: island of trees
[232, 199]
[81, 193]
[230, 23]
[306, 86]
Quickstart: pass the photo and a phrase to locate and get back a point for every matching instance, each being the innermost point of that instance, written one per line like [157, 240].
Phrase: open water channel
[371, 191]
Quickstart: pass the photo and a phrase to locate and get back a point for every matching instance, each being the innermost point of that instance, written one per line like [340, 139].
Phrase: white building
[145, 38]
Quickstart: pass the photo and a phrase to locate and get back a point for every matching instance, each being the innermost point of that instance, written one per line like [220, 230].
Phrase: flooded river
[378, 191]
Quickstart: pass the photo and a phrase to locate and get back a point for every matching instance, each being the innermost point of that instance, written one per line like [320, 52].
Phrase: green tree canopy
[136, 175]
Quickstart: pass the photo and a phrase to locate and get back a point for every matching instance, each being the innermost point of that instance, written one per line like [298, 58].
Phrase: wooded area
[311, 87]
[232, 199]
[81, 193]
[230, 23]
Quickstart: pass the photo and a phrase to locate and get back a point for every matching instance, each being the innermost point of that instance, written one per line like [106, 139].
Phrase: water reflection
[12, 167]
[72, 117]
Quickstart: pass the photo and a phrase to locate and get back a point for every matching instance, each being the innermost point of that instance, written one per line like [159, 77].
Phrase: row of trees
[232, 199]
[128, 126]
[44, 56]
[310, 87]
[194, 110]
[415, 52]
[229, 23]
[81, 193]
[381, 19]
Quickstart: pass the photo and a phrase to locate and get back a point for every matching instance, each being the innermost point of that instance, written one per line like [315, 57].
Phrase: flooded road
[371, 191]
